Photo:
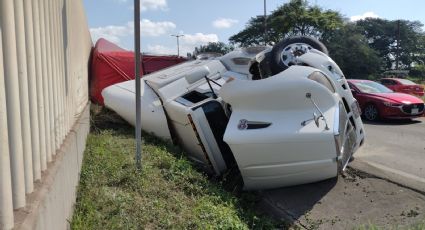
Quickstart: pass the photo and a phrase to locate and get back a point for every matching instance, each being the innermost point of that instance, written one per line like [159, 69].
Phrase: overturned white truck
[284, 115]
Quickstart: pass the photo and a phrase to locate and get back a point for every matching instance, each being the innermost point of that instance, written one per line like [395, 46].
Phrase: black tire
[277, 64]
[371, 112]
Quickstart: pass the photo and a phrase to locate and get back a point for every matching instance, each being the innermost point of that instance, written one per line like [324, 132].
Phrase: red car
[377, 101]
[403, 86]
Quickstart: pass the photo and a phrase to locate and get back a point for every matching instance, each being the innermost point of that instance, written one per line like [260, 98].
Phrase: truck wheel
[285, 52]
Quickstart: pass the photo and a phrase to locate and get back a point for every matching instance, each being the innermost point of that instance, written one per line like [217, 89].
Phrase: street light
[178, 45]
[265, 24]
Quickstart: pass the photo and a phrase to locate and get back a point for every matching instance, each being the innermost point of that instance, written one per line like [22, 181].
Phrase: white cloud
[199, 38]
[115, 33]
[188, 42]
[154, 29]
[369, 14]
[224, 23]
[153, 5]
[160, 49]
[148, 4]
[111, 33]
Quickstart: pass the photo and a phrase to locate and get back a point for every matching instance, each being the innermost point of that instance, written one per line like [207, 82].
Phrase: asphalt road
[397, 147]
[349, 202]
[391, 161]
[393, 158]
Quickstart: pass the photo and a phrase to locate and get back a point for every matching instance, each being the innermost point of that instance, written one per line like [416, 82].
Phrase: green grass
[168, 193]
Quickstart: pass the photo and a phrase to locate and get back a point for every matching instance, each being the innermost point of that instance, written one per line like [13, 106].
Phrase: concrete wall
[51, 205]
[45, 48]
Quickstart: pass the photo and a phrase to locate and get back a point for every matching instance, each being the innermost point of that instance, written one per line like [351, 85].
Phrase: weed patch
[169, 191]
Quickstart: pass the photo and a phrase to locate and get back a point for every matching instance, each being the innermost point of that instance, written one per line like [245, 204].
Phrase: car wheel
[285, 52]
[371, 112]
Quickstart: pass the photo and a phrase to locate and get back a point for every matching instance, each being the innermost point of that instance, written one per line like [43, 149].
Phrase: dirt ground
[352, 201]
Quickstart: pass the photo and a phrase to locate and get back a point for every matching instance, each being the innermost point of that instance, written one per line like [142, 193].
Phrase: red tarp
[111, 64]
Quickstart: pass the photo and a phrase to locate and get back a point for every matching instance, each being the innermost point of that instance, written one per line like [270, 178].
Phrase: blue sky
[202, 21]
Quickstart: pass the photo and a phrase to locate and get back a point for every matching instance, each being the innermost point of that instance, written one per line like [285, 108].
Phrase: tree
[253, 34]
[390, 39]
[213, 47]
[412, 47]
[350, 49]
[418, 71]
[290, 19]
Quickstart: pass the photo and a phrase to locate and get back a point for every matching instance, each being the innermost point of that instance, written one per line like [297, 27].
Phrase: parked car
[283, 115]
[377, 101]
[403, 86]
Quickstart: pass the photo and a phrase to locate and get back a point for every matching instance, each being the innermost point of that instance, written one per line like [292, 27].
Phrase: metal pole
[398, 45]
[137, 78]
[178, 47]
[178, 44]
[265, 23]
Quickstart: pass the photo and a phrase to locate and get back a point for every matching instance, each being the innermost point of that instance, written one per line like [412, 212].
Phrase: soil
[352, 200]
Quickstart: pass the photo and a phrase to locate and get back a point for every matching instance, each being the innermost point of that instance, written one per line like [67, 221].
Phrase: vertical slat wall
[44, 51]
[6, 213]
[23, 94]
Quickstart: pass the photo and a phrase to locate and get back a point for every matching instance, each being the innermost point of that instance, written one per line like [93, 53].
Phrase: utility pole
[265, 23]
[137, 78]
[178, 44]
[398, 46]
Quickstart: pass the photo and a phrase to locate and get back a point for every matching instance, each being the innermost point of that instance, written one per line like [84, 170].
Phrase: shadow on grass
[105, 119]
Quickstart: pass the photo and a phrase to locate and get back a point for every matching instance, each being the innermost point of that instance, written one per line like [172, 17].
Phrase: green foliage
[168, 193]
[214, 47]
[351, 51]
[290, 19]
[418, 71]
[364, 48]
[298, 18]
[383, 37]
[253, 34]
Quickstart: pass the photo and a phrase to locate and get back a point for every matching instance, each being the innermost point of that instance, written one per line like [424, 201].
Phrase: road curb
[395, 176]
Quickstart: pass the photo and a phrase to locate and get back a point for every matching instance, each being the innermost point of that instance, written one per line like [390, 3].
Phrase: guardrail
[45, 47]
